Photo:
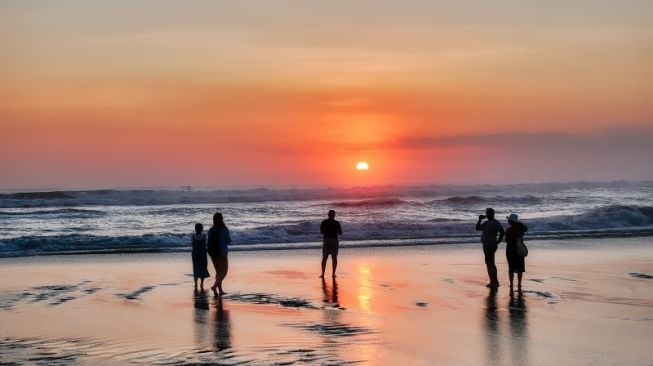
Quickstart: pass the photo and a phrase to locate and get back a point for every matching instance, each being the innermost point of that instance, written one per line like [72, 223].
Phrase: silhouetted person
[219, 240]
[330, 229]
[489, 230]
[200, 262]
[515, 261]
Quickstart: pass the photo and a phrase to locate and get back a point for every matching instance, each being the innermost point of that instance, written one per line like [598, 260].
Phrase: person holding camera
[489, 230]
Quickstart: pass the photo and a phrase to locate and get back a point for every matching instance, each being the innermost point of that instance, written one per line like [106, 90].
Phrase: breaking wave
[470, 200]
[607, 221]
[378, 202]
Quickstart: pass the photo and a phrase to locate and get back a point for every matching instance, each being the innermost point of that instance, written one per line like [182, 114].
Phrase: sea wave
[613, 216]
[378, 202]
[607, 221]
[58, 212]
[470, 200]
[457, 195]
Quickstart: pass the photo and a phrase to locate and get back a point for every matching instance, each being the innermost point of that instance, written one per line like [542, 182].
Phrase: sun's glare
[362, 166]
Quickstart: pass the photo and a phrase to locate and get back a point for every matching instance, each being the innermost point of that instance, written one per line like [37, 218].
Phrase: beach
[584, 302]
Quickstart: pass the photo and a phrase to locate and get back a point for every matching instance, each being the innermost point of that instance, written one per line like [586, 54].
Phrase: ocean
[161, 220]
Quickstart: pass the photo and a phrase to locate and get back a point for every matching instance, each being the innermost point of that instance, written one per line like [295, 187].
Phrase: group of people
[492, 234]
[216, 244]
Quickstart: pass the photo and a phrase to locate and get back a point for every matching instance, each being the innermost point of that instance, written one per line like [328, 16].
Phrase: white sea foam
[261, 219]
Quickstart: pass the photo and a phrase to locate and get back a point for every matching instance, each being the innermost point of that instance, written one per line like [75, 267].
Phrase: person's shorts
[330, 246]
[489, 251]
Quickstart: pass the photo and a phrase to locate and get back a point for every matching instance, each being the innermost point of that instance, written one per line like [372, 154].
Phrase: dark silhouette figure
[489, 230]
[218, 248]
[516, 263]
[200, 262]
[222, 330]
[330, 230]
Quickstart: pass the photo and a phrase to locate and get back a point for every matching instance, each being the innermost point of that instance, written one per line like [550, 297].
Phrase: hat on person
[513, 217]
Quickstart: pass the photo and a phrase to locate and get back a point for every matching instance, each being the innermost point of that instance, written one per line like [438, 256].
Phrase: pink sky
[155, 93]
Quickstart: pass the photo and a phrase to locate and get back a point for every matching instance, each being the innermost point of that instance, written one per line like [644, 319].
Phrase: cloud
[615, 140]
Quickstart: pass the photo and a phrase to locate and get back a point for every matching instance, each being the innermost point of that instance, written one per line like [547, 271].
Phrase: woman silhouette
[219, 240]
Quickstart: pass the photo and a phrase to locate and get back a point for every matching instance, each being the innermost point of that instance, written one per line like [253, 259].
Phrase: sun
[362, 166]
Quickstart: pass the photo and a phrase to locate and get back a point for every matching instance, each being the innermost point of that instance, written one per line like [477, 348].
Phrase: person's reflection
[201, 305]
[518, 329]
[492, 335]
[331, 312]
[222, 330]
[331, 295]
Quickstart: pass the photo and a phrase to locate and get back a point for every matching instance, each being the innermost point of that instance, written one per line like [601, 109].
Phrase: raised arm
[478, 223]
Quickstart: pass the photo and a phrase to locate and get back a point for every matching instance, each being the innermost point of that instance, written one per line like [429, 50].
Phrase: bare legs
[492, 274]
[519, 277]
[334, 264]
[324, 260]
[201, 283]
[489, 252]
[221, 265]
[223, 274]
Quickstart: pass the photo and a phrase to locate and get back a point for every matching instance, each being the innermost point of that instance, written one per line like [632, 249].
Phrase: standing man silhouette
[489, 230]
[330, 229]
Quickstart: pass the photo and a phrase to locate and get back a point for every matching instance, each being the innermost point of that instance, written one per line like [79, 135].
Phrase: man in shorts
[330, 229]
[489, 230]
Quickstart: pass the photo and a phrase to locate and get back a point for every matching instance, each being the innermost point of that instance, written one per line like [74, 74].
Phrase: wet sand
[584, 302]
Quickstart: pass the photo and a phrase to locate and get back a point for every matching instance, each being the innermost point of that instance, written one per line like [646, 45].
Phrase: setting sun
[362, 166]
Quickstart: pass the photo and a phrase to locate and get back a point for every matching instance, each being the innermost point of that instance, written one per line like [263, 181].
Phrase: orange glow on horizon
[211, 95]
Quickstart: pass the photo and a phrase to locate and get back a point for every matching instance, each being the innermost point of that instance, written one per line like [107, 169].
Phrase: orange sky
[156, 93]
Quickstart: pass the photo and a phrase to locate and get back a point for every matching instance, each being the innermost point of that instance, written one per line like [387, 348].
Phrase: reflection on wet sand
[201, 305]
[518, 329]
[330, 294]
[222, 330]
[365, 293]
[492, 332]
[331, 316]
[511, 347]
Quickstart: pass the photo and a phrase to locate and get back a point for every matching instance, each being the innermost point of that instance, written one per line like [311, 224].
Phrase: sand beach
[584, 302]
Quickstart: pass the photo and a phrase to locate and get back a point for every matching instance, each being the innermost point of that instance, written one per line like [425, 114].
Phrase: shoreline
[587, 303]
[359, 244]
